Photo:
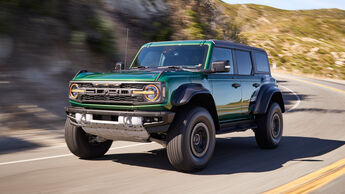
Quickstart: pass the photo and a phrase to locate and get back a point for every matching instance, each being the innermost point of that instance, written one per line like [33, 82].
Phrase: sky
[295, 4]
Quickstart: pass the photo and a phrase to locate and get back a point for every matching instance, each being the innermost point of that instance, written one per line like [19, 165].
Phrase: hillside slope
[305, 41]
[92, 34]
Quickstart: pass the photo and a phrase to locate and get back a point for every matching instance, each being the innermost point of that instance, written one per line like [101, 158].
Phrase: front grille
[102, 99]
[85, 85]
[92, 98]
[109, 98]
[133, 86]
[109, 85]
[110, 93]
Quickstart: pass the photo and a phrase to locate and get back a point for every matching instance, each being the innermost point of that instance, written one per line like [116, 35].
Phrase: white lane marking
[34, 159]
[297, 97]
[4, 82]
[63, 155]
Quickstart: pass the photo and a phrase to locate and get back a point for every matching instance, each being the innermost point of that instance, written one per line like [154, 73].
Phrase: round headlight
[154, 92]
[73, 92]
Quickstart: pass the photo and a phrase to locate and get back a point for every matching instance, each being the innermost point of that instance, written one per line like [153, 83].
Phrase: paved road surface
[314, 137]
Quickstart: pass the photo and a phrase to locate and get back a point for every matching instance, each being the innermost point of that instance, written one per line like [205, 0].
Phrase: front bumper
[120, 125]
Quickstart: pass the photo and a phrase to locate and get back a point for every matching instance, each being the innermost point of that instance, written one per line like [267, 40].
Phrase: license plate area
[105, 117]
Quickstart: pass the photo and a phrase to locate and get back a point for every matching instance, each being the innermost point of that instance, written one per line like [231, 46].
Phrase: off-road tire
[270, 127]
[181, 154]
[78, 142]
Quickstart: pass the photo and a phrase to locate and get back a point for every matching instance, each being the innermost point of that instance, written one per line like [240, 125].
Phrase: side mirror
[220, 66]
[119, 66]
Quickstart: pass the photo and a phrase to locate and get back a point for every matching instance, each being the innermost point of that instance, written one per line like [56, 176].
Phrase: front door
[226, 88]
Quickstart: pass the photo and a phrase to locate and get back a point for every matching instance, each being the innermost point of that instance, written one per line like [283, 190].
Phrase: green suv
[179, 94]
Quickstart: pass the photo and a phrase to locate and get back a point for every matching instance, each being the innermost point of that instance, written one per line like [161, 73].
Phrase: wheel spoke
[200, 138]
[275, 125]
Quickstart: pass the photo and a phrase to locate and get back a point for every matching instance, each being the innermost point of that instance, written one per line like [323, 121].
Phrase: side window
[244, 62]
[223, 54]
[261, 60]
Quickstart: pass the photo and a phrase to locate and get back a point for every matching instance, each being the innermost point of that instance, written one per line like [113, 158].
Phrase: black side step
[236, 126]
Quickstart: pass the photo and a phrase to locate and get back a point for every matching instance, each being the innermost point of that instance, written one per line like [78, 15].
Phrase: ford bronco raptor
[179, 94]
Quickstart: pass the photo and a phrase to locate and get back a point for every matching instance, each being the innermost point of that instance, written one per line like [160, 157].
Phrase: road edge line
[294, 93]
[313, 180]
[313, 83]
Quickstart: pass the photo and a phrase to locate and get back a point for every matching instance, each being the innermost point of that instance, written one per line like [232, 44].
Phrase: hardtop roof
[219, 43]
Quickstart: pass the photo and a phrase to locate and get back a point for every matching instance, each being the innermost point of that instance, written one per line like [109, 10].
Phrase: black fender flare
[266, 93]
[184, 93]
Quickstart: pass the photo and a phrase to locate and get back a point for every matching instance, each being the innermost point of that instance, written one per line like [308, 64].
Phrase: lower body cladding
[120, 125]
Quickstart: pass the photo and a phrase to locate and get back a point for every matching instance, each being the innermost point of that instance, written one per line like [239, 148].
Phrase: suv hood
[120, 75]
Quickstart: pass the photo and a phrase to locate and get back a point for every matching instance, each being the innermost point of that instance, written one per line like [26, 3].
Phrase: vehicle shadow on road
[157, 159]
[11, 144]
[291, 99]
[239, 154]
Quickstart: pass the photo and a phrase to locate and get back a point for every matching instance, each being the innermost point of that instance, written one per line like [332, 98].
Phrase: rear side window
[261, 60]
[223, 54]
[244, 62]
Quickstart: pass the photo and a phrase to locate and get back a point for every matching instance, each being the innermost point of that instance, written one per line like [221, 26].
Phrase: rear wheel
[191, 139]
[84, 145]
[270, 127]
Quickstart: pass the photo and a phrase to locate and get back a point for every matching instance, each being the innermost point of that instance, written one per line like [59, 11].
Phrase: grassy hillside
[305, 41]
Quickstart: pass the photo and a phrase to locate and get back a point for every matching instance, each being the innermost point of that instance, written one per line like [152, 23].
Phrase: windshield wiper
[139, 67]
[170, 67]
[176, 68]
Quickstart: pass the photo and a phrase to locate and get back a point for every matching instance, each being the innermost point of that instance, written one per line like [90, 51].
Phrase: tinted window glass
[244, 63]
[223, 54]
[261, 62]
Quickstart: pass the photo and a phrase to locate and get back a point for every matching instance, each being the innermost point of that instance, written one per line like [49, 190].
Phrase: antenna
[126, 46]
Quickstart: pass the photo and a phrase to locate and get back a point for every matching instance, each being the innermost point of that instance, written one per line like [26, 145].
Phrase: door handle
[236, 85]
[256, 85]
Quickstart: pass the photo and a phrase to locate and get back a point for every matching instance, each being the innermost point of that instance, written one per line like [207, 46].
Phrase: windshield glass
[186, 56]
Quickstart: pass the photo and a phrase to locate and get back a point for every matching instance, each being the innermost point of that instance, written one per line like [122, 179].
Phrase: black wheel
[270, 127]
[84, 145]
[191, 139]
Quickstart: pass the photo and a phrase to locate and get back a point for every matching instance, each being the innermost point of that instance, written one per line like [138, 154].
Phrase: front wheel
[84, 145]
[191, 139]
[270, 127]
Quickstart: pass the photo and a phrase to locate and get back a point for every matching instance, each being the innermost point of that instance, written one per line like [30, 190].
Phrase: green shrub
[162, 31]
[103, 39]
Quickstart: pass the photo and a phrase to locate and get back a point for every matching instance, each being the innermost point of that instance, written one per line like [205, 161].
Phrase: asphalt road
[314, 137]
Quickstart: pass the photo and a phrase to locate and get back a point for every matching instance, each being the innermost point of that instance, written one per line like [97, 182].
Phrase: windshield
[186, 56]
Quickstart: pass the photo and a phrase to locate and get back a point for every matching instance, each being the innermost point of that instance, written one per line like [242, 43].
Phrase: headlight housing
[74, 91]
[151, 92]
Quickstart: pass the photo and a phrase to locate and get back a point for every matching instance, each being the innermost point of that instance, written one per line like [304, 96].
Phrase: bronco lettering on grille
[108, 92]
